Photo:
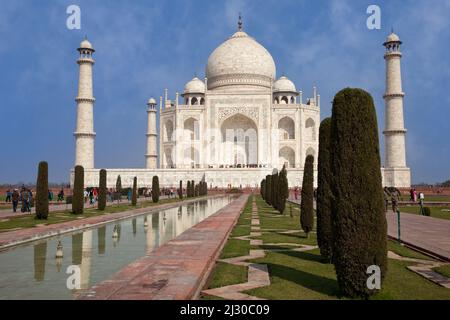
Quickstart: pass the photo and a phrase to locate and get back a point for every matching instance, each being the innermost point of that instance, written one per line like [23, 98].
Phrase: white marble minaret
[84, 134]
[151, 156]
[396, 172]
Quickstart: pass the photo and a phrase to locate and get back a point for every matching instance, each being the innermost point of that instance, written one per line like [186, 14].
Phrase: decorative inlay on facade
[227, 112]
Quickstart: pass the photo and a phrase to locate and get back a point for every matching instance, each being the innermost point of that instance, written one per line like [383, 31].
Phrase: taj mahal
[236, 125]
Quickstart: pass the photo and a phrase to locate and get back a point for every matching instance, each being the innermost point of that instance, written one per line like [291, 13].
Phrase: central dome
[240, 60]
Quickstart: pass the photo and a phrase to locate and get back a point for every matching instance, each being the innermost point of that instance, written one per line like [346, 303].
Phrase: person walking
[15, 199]
[95, 194]
[8, 196]
[129, 194]
[24, 198]
[91, 196]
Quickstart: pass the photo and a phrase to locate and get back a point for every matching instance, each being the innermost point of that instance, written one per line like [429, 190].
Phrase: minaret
[396, 172]
[84, 134]
[151, 156]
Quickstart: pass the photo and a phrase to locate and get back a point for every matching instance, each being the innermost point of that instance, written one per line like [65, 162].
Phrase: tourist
[49, 196]
[24, 197]
[86, 196]
[415, 195]
[95, 194]
[296, 193]
[8, 196]
[61, 195]
[394, 204]
[15, 199]
[129, 194]
[91, 196]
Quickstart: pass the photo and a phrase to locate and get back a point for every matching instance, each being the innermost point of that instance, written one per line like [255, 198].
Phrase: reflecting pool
[34, 271]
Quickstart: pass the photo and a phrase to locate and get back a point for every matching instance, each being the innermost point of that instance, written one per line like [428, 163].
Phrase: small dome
[284, 85]
[393, 38]
[195, 86]
[151, 101]
[85, 44]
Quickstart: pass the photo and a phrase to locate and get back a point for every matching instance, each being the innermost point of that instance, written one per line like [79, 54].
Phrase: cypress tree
[269, 189]
[192, 188]
[134, 194]
[78, 191]
[263, 189]
[275, 192]
[196, 190]
[307, 204]
[188, 189]
[180, 191]
[359, 221]
[155, 189]
[324, 195]
[42, 192]
[102, 191]
[283, 190]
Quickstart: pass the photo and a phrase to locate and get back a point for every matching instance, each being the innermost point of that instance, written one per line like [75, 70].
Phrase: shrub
[359, 220]
[78, 191]
[155, 189]
[69, 199]
[42, 192]
[427, 211]
[307, 202]
[102, 190]
[324, 195]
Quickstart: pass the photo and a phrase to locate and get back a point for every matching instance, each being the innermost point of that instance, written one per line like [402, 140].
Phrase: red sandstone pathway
[426, 233]
[176, 270]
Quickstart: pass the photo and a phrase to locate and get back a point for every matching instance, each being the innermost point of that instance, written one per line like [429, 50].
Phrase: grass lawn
[433, 198]
[444, 270]
[65, 216]
[307, 275]
[436, 212]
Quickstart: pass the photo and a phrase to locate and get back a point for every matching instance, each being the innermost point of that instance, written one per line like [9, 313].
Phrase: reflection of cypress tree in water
[40, 255]
[155, 229]
[77, 244]
[134, 222]
[101, 240]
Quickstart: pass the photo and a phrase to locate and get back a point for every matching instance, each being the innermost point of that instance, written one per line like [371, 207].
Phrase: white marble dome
[240, 60]
[195, 86]
[284, 85]
[151, 101]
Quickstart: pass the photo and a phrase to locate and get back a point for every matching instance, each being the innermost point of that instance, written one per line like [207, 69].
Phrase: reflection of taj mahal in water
[235, 126]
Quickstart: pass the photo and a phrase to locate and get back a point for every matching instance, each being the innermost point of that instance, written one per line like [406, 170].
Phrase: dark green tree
[307, 202]
[155, 189]
[275, 192]
[188, 189]
[324, 195]
[134, 194]
[42, 192]
[359, 221]
[196, 190]
[102, 190]
[283, 190]
[263, 189]
[78, 191]
[269, 189]
[180, 191]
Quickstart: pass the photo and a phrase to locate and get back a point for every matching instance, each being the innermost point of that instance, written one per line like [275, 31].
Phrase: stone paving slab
[426, 233]
[176, 270]
[12, 238]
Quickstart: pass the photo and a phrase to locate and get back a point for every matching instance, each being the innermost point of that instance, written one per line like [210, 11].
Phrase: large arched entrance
[239, 147]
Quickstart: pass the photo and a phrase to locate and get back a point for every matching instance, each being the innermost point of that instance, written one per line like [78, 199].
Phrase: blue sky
[146, 46]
